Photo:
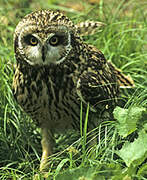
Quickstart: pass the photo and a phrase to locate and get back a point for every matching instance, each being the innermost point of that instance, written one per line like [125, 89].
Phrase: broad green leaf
[127, 119]
[135, 152]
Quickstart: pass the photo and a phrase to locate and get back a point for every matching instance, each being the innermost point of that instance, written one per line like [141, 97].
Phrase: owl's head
[43, 37]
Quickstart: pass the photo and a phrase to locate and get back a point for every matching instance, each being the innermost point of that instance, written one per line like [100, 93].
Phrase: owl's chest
[47, 97]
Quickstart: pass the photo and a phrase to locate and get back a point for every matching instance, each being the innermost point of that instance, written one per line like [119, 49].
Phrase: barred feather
[89, 27]
[124, 81]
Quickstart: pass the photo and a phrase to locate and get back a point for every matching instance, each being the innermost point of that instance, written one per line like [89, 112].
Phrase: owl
[56, 71]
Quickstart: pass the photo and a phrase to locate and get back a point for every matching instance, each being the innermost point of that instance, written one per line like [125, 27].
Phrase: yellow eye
[54, 40]
[33, 41]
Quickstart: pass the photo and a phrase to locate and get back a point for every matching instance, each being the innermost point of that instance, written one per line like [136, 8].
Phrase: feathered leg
[47, 143]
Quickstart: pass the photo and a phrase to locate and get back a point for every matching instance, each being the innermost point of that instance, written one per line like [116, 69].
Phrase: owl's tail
[123, 80]
[89, 27]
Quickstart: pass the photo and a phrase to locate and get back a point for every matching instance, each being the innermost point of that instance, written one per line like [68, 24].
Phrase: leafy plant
[128, 119]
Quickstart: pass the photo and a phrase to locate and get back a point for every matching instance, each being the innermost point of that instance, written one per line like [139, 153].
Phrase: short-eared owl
[56, 70]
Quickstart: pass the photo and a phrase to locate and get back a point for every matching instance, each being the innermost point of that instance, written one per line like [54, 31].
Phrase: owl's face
[43, 37]
[47, 46]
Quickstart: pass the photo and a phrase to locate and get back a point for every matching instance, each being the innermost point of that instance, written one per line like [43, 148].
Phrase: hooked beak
[43, 53]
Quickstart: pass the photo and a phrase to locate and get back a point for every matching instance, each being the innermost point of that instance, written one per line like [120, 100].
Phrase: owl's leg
[47, 142]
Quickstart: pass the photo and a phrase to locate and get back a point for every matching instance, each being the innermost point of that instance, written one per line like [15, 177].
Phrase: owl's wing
[99, 89]
[99, 84]
[89, 27]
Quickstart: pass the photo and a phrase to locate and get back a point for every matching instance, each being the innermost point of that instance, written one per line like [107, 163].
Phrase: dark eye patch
[57, 40]
[31, 40]
[62, 39]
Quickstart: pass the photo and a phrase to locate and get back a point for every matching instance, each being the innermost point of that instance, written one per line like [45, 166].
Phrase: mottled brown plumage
[55, 71]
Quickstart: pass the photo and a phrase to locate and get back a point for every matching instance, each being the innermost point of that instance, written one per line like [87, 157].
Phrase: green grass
[123, 41]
